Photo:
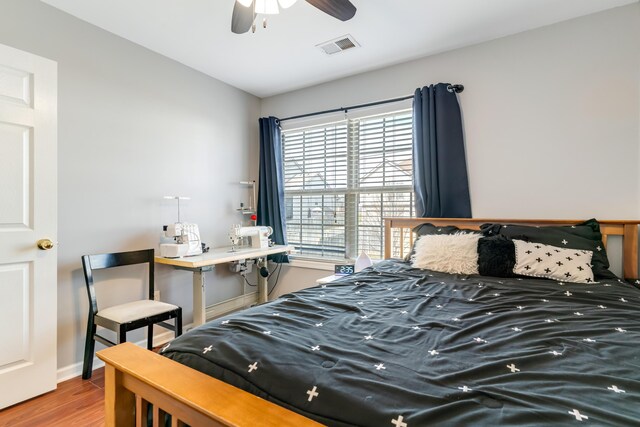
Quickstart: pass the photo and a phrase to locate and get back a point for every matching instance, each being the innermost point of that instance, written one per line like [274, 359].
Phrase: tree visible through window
[342, 179]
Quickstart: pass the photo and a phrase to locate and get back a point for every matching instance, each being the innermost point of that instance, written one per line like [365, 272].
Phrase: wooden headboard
[399, 237]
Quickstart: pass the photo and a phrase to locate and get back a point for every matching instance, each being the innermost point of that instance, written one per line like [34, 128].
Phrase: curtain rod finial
[457, 88]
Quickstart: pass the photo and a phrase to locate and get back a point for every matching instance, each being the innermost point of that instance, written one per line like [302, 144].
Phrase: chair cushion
[135, 310]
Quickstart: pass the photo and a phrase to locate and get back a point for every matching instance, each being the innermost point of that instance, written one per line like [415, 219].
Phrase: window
[342, 179]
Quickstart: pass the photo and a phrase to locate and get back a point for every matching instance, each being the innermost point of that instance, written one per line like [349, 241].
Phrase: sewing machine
[187, 238]
[259, 236]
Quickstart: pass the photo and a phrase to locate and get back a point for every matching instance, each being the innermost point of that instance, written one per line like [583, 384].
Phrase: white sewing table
[200, 264]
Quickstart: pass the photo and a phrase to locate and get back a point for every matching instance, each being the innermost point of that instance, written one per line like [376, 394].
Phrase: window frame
[354, 190]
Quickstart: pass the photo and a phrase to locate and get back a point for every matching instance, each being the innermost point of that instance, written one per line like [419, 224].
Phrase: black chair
[124, 317]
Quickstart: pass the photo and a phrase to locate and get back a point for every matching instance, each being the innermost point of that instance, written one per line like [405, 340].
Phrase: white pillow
[448, 253]
[565, 265]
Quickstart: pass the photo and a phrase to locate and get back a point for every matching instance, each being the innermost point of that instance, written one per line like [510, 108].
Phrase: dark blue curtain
[271, 208]
[440, 178]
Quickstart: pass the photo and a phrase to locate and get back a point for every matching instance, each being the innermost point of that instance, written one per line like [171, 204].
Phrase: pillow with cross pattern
[551, 262]
[584, 236]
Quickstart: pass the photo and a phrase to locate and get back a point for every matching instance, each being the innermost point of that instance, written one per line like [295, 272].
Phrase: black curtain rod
[457, 88]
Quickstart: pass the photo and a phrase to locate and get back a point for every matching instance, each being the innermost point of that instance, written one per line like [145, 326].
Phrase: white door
[28, 213]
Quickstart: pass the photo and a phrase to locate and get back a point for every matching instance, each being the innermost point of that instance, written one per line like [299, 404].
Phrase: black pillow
[496, 256]
[585, 235]
[428, 229]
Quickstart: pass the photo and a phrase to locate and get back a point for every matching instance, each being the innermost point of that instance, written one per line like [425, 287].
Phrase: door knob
[45, 244]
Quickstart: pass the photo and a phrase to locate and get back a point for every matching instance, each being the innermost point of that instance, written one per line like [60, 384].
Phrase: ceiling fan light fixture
[285, 4]
[244, 11]
[267, 7]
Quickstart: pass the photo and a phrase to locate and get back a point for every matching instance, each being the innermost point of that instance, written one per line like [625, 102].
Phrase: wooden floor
[76, 402]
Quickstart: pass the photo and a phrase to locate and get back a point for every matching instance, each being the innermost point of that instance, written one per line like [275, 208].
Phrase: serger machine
[259, 236]
[185, 235]
[187, 240]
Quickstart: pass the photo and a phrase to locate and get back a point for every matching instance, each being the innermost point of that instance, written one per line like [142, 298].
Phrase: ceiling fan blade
[242, 18]
[340, 9]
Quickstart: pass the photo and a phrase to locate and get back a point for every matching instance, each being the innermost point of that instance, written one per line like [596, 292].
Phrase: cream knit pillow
[454, 253]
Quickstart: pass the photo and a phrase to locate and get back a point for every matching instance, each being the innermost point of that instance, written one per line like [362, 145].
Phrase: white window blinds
[342, 179]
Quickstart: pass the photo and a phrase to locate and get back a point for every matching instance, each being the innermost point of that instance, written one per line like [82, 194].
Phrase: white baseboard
[233, 304]
[75, 369]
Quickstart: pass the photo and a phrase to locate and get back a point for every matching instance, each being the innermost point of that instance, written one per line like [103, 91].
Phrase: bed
[398, 346]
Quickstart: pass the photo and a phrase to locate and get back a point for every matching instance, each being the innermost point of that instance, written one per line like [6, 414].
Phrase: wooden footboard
[135, 378]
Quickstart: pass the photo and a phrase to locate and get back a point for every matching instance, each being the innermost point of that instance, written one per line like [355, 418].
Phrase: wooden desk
[206, 262]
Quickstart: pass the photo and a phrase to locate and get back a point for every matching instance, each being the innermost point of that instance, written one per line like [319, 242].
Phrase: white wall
[134, 126]
[551, 117]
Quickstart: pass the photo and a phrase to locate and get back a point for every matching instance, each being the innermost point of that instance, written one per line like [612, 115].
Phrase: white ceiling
[284, 57]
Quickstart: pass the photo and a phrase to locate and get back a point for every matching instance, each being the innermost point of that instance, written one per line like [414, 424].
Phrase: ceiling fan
[245, 11]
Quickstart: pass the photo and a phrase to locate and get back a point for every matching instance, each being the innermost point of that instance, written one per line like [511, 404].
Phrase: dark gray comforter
[396, 346]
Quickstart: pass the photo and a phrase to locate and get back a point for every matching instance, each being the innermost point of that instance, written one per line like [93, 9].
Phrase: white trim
[313, 264]
[233, 304]
[75, 369]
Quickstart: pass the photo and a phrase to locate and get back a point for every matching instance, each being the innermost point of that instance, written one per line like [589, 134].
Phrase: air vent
[338, 45]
